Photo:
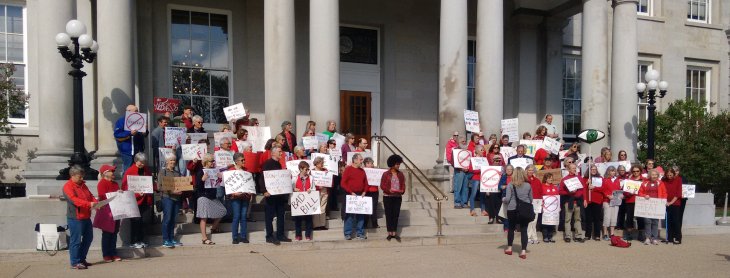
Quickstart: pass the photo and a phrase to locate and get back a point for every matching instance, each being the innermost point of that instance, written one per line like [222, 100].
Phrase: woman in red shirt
[594, 200]
[674, 201]
[372, 191]
[494, 152]
[536, 185]
[652, 188]
[304, 184]
[80, 201]
[108, 238]
[629, 200]
[549, 188]
[393, 184]
[475, 182]
[611, 184]
[144, 200]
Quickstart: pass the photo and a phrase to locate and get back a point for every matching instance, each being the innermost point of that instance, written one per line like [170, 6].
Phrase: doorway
[355, 113]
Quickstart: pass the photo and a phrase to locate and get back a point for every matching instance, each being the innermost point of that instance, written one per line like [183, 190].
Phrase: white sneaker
[647, 242]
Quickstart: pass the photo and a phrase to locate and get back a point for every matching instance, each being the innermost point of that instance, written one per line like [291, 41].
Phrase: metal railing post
[410, 186]
[439, 220]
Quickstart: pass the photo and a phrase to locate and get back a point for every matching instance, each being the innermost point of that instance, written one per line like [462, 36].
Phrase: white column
[594, 78]
[115, 64]
[55, 134]
[490, 64]
[279, 63]
[624, 69]
[324, 62]
[452, 70]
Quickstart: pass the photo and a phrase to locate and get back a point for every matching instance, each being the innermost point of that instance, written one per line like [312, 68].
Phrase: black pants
[137, 225]
[594, 220]
[620, 223]
[372, 220]
[275, 206]
[629, 220]
[494, 203]
[514, 220]
[391, 204]
[307, 219]
[674, 224]
[547, 231]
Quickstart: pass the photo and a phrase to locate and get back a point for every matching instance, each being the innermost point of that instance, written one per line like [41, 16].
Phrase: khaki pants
[572, 214]
[320, 220]
[531, 229]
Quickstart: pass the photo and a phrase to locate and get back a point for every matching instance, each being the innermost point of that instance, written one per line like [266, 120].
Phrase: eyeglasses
[636, 171]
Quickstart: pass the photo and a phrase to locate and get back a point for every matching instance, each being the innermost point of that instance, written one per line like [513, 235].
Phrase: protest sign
[135, 121]
[462, 159]
[238, 181]
[616, 196]
[507, 152]
[234, 112]
[597, 182]
[257, 136]
[163, 154]
[321, 178]
[630, 186]
[573, 184]
[139, 184]
[471, 120]
[510, 128]
[490, 179]
[356, 204]
[278, 182]
[336, 154]
[551, 145]
[365, 154]
[220, 135]
[688, 190]
[213, 181]
[339, 139]
[103, 203]
[557, 174]
[195, 138]
[478, 162]
[322, 138]
[293, 166]
[503, 211]
[537, 206]
[374, 175]
[521, 162]
[550, 209]
[194, 151]
[223, 159]
[176, 184]
[653, 208]
[310, 142]
[174, 136]
[531, 146]
[330, 162]
[124, 205]
[164, 105]
[303, 203]
[602, 167]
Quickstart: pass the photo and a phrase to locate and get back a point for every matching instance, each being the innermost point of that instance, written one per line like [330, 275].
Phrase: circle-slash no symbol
[488, 178]
[550, 203]
[135, 121]
[463, 157]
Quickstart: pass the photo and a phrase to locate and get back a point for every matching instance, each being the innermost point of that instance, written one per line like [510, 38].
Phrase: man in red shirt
[354, 182]
[573, 203]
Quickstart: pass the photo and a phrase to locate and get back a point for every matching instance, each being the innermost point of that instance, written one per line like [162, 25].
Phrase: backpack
[619, 242]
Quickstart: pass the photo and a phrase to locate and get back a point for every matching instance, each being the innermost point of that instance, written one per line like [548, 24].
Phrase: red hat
[105, 168]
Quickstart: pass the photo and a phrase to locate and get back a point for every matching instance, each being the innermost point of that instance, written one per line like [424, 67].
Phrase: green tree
[11, 98]
[695, 140]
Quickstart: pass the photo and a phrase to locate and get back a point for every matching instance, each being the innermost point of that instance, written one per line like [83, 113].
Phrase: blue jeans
[81, 237]
[127, 160]
[298, 225]
[349, 218]
[239, 208]
[461, 187]
[170, 208]
[473, 196]
[109, 242]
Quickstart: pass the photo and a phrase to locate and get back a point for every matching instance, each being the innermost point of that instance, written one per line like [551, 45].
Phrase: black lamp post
[648, 91]
[77, 47]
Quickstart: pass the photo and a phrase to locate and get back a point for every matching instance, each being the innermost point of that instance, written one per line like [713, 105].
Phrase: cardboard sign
[478, 162]
[124, 205]
[251, 162]
[278, 182]
[630, 186]
[510, 127]
[490, 179]
[293, 166]
[177, 184]
[212, 181]
[164, 105]
[257, 136]
[557, 174]
[653, 208]
[522, 162]
[310, 142]
[174, 136]
[356, 204]
[303, 203]
[238, 181]
[550, 209]
[339, 139]
[140, 184]
[462, 158]
[597, 182]
[537, 206]
[220, 135]
[374, 175]
[688, 190]
[330, 162]
[616, 195]
[234, 112]
[135, 121]
[531, 146]
[551, 145]
[471, 120]
[322, 138]
[194, 151]
[223, 159]
[322, 178]
[507, 152]
[195, 138]
[573, 184]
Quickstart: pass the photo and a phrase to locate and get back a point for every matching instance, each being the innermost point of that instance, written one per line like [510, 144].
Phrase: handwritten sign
[653, 208]
[278, 182]
[194, 151]
[597, 182]
[630, 186]
[358, 204]
[164, 105]
[616, 198]
[551, 145]
[339, 139]
[335, 153]
[310, 142]
[688, 190]
[478, 162]
[573, 184]
[238, 181]
[471, 120]
[531, 146]
[462, 159]
[124, 205]
[220, 135]
[507, 152]
[195, 138]
[374, 175]
[174, 136]
[330, 162]
[537, 205]
[510, 128]
[322, 178]
[550, 209]
[234, 112]
[303, 203]
[257, 136]
[164, 153]
[490, 179]
[140, 184]
[213, 181]
[522, 162]
[293, 166]
[176, 184]
[223, 159]
[322, 138]
[557, 174]
[135, 121]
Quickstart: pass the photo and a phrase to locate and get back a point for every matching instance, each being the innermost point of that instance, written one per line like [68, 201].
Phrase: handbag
[104, 220]
[525, 211]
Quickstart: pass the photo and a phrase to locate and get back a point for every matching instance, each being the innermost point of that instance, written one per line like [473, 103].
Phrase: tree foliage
[11, 98]
[696, 141]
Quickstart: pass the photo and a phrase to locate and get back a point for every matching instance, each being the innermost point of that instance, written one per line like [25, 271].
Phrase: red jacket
[105, 187]
[674, 189]
[304, 186]
[78, 199]
[540, 156]
[609, 187]
[141, 198]
[549, 190]
[653, 189]
[536, 187]
[354, 180]
[387, 187]
[450, 146]
[578, 193]
[596, 194]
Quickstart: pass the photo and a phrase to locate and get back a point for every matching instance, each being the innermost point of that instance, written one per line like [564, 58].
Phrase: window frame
[231, 73]
[649, 8]
[708, 84]
[577, 61]
[471, 67]
[20, 122]
[708, 12]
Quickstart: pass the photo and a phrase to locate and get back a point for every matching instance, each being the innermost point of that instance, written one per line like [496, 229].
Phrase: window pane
[184, 101]
[15, 48]
[219, 83]
[15, 20]
[219, 55]
[202, 107]
[199, 54]
[218, 27]
[180, 24]
[3, 48]
[181, 80]
[199, 26]
[218, 105]
[200, 83]
[180, 52]
[2, 18]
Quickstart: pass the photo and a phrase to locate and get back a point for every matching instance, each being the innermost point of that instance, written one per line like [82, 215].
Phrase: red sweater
[536, 187]
[105, 187]
[387, 187]
[578, 193]
[491, 156]
[354, 180]
[549, 190]
[540, 156]
[609, 187]
[303, 186]
[78, 199]
[134, 171]
[653, 189]
[596, 194]
[674, 189]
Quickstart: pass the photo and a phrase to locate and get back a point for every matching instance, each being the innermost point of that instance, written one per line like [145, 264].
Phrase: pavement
[700, 255]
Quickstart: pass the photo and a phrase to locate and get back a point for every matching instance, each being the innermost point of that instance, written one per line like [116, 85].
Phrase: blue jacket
[125, 140]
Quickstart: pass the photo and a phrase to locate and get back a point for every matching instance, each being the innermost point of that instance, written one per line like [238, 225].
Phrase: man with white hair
[129, 142]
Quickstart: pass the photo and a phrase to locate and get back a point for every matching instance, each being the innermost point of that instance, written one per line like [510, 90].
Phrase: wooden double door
[355, 109]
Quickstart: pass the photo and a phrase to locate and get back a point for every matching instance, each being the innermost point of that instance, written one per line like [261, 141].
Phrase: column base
[41, 173]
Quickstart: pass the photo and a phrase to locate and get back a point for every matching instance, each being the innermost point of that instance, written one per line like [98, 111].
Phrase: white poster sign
[597, 182]
[124, 205]
[174, 136]
[511, 127]
[164, 153]
[303, 203]
[194, 151]
[490, 179]
[688, 190]
[462, 158]
[630, 186]
[257, 136]
[339, 139]
[507, 152]
[551, 145]
[365, 154]
[278, 182]
[310, 142]
[603, 166]
[336, 154]
[322, 138]
[238, 181]
[573, 184]
[374, 175]
[135, 121]
[537, 205]
[522, 162]
[653, 208]
[234, 112]
[531, 146]
[213, 180]
[478, 162]
[223, 159]
[322, 178]
[140, 184]
[356, 204]
[550, 209]
[471, 120]
[293, 166]
[330, 162]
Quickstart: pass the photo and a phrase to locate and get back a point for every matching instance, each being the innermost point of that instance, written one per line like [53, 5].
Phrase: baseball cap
[104, 168]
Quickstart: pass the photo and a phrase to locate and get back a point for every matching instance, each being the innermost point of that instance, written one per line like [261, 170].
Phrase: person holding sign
[551, 130]
[197, 125]
[348, 146]
[372, 191]
[144, 200]
[652, 188]
[354, 182]
[275, 204]
[79, 201]
[536, 186]
[240, 204]
[171, 204]
[674, 202]
[108, 237]
[290, 140]
[331, 129]
[475, 183]
[573, 203]
[494, 153]
[208, 206]
[611, 184]
[494, 199]
[521, 154]
[594, 213]
[518, 191]
[303, 184]
[129, 142]
[393, 184]
[241, 141]
[158, 138]
[549, 188]
[630, 200]
[320, 221]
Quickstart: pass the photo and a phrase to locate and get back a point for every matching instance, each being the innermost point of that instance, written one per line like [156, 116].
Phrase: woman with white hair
[197, 125]
[171, 204]
[144, 200]
[208, 207]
